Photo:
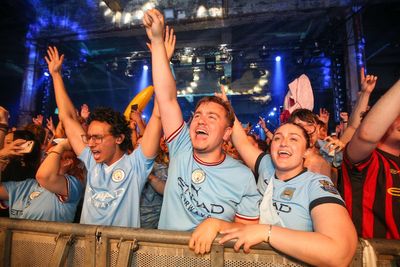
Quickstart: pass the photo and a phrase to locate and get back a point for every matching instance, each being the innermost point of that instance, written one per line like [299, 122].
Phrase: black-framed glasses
[97, 138]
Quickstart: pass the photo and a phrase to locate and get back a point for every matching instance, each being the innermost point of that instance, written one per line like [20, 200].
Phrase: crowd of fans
[307, 193]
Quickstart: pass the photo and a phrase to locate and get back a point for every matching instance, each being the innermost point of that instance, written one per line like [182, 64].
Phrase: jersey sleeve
[248, 208]
[179, 141]
[322, 191]
[142, 164]
[75, 188]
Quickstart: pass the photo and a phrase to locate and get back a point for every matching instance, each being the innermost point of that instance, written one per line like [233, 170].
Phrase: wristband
[269, 233]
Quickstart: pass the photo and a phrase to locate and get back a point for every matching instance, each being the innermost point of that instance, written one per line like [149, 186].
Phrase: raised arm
[164, 83]
[267, 132]
[48, 174]
[67, 113]
[332, 244]
[368, 84]
[247, 151]
[152, 134]
[375, 124]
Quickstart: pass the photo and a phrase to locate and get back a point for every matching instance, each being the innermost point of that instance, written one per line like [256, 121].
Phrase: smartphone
[58, 140]
[27, 147]
[324, 149]
[134, 107]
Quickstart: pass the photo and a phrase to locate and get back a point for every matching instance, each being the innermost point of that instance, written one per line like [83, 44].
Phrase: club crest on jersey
[118, 175]
[198, 176]
[287, 194]
[328, 187]
[34, 195]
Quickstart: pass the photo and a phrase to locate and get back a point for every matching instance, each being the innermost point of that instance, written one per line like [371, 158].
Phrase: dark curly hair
[117, 122]
[230, 115]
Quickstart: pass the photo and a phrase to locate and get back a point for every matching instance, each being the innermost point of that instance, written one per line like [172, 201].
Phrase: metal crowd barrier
[38, 243]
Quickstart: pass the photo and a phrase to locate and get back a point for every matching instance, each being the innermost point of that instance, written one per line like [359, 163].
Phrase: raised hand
[12, 149]
[368, 82]
[169, 42]
[323, 115]
[344, 116]
[50, 125]
[153, 21]
[38, 120]
[54, 60]
[222, 94]
[261, 122]
[334, 144]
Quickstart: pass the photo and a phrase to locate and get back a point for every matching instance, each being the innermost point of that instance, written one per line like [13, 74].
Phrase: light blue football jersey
[295, 198]
[197, 190]
[28, 200]
[112, 193]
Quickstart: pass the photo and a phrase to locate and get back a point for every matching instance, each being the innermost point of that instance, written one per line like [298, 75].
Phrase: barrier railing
[38, 243]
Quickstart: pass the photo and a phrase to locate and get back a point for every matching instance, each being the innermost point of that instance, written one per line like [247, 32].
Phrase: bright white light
[262, 82]
[138, 14]
[102, 3]
[143, 116]
[117, 17]
[278, 58]
[257, 89]
[193, 84]
[215, 12]
[148, 5]
[145, 67]
[46, 74]
[201, 12]
[127, 18]
[107, 12]
[189, 89]
[196, 77]
[183, 92]
[274, 109]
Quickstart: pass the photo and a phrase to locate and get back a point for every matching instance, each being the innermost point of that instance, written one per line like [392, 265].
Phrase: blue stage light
[278, 58]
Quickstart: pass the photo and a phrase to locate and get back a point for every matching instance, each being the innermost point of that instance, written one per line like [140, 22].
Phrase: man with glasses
[115, 179]
[314, 162]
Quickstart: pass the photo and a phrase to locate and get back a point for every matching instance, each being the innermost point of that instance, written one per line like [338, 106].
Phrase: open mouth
[96, 154]
[201, 132]
[284, 153]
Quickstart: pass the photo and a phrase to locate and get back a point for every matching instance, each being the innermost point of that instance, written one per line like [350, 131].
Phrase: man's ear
[227, 134]
[120, 139]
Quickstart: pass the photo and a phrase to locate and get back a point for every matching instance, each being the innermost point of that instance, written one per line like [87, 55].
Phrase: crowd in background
[307, 193]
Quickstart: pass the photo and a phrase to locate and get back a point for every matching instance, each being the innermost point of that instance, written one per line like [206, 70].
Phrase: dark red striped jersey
[371, 190]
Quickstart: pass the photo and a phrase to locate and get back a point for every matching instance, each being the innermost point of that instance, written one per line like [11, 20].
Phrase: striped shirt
[371, 190]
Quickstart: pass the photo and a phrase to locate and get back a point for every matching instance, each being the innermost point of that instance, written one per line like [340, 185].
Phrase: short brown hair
[303, 115]
[230, 115]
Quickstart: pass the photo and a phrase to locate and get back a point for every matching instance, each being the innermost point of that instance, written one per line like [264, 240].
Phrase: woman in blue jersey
[301, 214]
[42, 199]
